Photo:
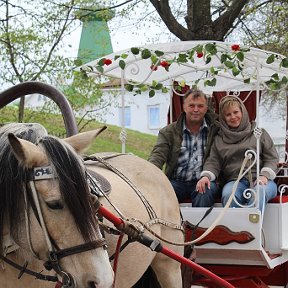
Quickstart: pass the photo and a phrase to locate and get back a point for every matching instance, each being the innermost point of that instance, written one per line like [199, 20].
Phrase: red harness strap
[117, 253]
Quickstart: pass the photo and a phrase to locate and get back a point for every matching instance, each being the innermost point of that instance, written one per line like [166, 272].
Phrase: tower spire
[95, 38]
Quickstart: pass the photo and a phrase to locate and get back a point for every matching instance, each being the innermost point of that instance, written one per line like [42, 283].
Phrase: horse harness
[101, 187]
[55, 253]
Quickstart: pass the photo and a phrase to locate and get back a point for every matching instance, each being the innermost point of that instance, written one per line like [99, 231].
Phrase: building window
[127, 116]
[154, 116]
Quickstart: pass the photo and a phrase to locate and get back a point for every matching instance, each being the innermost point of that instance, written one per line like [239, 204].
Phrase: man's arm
[160, 151]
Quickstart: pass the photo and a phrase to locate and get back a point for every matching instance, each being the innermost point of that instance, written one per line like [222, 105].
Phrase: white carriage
[248, 249]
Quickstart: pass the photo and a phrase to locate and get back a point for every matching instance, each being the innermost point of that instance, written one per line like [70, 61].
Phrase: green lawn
[137, 143]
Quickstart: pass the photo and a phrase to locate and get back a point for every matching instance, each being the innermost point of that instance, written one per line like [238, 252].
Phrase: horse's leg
[168, 271]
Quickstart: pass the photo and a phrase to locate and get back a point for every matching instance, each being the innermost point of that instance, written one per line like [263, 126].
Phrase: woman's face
[232, 116]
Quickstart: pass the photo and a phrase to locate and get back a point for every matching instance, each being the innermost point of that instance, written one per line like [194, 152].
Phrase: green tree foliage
[85, 94]
[32, 38]
[31, 34]
[264, 25]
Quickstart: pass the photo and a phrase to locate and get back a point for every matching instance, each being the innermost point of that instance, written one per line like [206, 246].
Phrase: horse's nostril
[91, 285]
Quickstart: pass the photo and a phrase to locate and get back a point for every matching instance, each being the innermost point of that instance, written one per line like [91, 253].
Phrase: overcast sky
[121, 40]
[126, 33]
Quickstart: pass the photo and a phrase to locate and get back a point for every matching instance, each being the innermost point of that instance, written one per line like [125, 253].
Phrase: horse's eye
[55, 204]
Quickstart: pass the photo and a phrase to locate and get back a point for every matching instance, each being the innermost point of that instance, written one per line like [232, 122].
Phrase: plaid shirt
[190, 161]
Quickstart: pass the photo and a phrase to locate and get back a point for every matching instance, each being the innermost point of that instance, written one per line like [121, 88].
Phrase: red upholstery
[277, 199]
[249, 98]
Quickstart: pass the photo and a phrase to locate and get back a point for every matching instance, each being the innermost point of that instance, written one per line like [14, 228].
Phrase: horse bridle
[55, 253]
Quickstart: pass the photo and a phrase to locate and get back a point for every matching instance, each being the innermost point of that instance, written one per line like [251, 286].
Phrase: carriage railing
[251, 158]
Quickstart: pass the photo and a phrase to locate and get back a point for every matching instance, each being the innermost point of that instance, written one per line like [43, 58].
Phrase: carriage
[240, 245]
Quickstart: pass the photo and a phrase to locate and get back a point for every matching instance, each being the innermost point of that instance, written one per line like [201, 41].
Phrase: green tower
[95, 38]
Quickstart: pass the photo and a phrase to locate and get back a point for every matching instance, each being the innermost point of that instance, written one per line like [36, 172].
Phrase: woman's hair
[227, 102]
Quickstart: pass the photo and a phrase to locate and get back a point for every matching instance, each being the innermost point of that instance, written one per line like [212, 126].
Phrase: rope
[156, 220]
[149, 208]
[220, 216]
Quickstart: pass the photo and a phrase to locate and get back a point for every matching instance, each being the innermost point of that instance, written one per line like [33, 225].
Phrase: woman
[234, 138]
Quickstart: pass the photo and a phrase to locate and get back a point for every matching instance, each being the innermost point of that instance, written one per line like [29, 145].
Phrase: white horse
[141, 193]
[47, 214]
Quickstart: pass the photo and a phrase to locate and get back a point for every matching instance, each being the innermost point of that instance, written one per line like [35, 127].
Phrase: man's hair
[195, 94]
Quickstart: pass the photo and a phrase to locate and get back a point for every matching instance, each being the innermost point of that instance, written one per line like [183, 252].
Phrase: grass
[137, 143]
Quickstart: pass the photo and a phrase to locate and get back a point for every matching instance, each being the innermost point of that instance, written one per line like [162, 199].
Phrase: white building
[148, 115]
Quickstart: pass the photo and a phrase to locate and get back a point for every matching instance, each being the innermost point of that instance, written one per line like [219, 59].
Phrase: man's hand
[202, 183]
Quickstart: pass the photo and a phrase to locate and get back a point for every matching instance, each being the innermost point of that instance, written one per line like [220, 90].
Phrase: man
[184, 145]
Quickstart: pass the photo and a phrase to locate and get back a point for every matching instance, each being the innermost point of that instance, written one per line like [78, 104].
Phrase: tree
[199, 22]
[259, 23]
[265, 25]
[32, 34]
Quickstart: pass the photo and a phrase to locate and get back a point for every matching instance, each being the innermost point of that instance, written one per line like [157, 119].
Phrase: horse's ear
[27, 153]
[81, 141]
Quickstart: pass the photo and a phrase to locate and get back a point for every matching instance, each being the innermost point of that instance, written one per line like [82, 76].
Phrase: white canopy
[194, 62]
[210, 65]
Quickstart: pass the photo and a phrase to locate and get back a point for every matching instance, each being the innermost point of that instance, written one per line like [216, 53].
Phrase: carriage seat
[281, 179]
[188, 200]
[274, 200]
[277, 199]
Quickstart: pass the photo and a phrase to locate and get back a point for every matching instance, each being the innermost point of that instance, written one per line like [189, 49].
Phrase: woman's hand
[202, 183]
[262, 180]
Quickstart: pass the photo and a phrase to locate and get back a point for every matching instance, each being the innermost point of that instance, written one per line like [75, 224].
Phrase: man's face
[195, 109]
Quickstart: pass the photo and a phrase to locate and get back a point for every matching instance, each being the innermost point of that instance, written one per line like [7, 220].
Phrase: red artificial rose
[107, 61]
[199, 54]
[153, 67]
[164, 64]
[235, 47]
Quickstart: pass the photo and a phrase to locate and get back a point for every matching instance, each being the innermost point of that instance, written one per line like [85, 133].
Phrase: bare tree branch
[163, 9]
[224, 22]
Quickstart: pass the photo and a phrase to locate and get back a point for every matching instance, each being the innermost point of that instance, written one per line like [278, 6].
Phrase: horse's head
[62, 229]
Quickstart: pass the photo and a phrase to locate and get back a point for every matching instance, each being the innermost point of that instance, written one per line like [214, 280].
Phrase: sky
[121, 40]
[129, 35]
[125, 33]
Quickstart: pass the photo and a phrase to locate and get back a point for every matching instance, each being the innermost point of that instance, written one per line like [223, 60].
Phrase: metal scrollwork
[247, 194]
[257, 132]
[123, 136]
[282, 189]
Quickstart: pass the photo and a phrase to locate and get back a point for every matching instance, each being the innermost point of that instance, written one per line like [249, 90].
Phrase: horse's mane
[73, 184]
[70, 173]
